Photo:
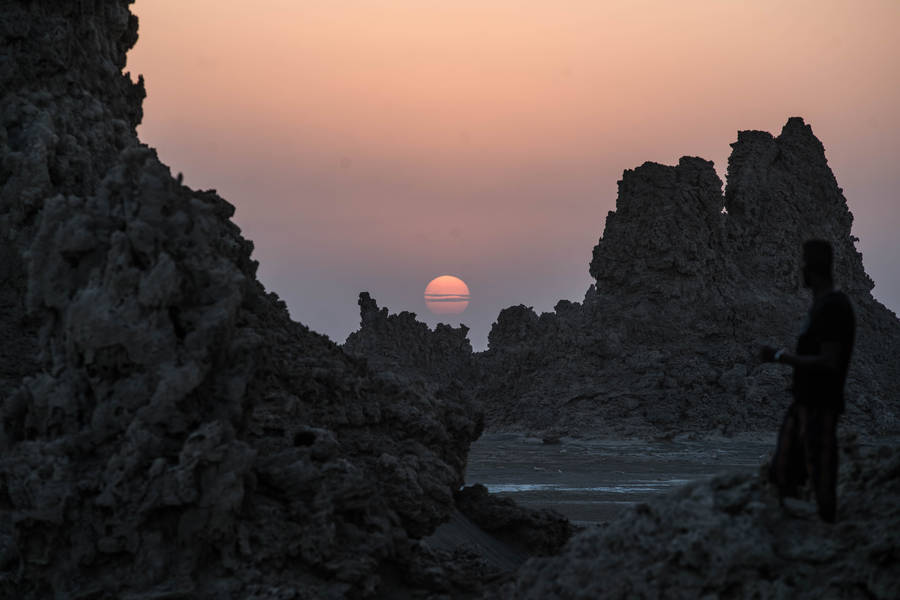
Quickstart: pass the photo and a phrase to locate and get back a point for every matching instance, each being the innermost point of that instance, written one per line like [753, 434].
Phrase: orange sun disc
[447, 295]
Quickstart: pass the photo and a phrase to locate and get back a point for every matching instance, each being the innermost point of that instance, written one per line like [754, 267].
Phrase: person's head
[817, 263]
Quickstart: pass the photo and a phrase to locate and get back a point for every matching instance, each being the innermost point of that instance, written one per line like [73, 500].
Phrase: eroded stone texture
[729, 537]
[685, 294]
[402, 345]
[168, 431]
[533, 532]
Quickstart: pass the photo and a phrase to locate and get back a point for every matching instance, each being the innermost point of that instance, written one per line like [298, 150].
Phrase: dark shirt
[830, 319]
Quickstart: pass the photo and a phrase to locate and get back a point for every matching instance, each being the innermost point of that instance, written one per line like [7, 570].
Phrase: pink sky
[373, 145]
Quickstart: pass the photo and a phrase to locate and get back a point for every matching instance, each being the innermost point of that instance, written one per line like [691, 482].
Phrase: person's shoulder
[838, 301]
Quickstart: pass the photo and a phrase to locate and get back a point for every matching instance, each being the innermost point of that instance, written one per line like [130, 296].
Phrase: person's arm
[827, 360]
[831, 319]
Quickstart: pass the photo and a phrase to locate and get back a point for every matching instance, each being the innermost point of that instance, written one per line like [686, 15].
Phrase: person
[807, 442]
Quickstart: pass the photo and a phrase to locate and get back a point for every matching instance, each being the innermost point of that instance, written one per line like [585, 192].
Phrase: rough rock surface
[167, 431]
[401, 345]
[483, 544]
[689, 283]
[729, 538]
[533, 532]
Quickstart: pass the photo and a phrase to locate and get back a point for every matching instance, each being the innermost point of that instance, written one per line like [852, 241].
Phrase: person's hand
[767, 354]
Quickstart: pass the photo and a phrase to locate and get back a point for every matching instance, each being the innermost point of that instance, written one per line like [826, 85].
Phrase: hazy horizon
[371, 146]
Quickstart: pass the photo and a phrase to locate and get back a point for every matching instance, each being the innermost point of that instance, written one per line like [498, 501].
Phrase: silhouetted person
[807, 442]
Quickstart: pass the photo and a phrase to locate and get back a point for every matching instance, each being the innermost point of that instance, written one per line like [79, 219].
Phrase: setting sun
[447, 295]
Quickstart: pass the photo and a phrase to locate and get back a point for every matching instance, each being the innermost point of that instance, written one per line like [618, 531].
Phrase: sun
[447, 295]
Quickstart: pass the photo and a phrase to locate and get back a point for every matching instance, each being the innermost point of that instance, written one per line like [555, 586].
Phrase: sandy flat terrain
[591, 480]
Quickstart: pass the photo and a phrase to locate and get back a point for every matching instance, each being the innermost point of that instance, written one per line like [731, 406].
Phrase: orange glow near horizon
[370, 144]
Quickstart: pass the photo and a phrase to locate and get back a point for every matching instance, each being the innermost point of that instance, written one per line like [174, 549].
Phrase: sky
[373, 145]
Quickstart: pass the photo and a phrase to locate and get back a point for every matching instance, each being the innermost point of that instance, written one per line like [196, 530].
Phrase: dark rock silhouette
[689, 282]
[167, 431]
[408, 348]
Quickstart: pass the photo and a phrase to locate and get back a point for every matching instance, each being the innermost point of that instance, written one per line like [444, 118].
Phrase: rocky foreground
[729, 538]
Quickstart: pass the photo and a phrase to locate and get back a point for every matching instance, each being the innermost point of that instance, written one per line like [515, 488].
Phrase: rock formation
[401, 345]
[533, 533]
[689, 284]
[729, 537]
[167, 431]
